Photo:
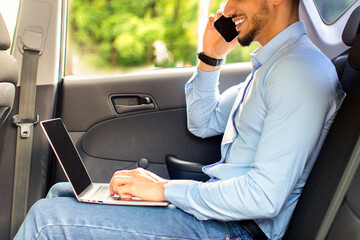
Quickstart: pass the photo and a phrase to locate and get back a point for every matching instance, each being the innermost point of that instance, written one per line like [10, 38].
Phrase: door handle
[126, 104]
[125, 109]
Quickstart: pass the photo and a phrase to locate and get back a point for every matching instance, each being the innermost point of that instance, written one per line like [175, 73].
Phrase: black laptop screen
[67, 154]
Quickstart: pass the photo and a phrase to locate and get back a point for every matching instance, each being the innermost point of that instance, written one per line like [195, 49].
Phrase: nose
[229, 9]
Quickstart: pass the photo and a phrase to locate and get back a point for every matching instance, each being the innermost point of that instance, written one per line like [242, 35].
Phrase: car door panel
[108, 139]
[157, 135]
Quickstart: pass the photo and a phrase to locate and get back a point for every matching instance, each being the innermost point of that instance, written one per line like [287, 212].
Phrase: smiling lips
[239, 21]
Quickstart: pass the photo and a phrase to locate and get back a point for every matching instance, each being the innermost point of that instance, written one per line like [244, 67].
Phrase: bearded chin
[258, 21]
[246, 40]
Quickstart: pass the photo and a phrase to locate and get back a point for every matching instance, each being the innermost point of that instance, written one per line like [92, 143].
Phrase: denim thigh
[61, 216]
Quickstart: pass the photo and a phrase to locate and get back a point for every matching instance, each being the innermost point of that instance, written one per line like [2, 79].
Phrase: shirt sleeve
[299, 103]
[207, 109]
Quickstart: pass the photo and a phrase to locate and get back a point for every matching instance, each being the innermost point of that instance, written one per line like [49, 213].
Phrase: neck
[281, 19]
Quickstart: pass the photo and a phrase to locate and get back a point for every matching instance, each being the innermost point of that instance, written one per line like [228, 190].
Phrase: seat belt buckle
[25, 125]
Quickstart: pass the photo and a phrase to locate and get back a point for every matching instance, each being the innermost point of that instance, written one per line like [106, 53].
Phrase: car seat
[340, 148]
[8, 74]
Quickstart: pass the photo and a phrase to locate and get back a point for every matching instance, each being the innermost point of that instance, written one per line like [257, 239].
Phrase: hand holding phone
[217, 45]
[226, 27]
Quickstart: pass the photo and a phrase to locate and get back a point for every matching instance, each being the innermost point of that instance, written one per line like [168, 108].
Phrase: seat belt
[354, 161]
[340, 193]
[25, 120]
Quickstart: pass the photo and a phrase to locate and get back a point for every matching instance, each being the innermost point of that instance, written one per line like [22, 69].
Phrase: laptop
[76, 173]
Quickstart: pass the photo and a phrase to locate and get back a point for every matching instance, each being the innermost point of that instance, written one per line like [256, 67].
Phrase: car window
[9, 11]
[331, 10]
[120, 36]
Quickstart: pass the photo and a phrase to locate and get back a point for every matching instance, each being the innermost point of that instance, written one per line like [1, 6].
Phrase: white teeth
[240, 21]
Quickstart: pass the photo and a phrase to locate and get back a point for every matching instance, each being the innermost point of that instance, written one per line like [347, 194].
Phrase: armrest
[181, 169]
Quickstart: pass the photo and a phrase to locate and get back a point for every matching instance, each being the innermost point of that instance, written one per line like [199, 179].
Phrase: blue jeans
[61, 216]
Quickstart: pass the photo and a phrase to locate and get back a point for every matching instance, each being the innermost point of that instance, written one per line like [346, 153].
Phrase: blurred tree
[123, 33]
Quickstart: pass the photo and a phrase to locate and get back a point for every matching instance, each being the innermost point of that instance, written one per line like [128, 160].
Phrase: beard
[258, 21]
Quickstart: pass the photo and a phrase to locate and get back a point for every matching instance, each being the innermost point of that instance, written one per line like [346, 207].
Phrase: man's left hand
[138, 183]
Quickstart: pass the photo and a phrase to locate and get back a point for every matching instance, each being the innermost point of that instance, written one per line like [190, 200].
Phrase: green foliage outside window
[126, 34]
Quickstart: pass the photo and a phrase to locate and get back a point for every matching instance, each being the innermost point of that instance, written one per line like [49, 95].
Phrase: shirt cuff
[175, 192]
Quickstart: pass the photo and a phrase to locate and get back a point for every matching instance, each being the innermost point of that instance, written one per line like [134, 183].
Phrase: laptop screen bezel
[55, 131]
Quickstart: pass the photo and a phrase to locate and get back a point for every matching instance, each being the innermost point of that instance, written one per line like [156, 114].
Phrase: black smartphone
[226, 27]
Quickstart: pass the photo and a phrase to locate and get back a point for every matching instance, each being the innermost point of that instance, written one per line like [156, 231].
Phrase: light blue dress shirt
[274, 124]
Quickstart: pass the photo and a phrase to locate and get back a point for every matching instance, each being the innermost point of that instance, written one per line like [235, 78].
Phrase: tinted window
[330, 10]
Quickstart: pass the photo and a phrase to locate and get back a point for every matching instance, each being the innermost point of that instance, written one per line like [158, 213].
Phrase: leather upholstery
[4, 35]
[8, 74]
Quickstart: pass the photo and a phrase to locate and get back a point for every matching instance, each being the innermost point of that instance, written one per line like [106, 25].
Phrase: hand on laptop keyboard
[140, 183]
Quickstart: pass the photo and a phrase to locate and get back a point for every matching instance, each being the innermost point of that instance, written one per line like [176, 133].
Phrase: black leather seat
[8, 74]
[325, 178]
[345, 72]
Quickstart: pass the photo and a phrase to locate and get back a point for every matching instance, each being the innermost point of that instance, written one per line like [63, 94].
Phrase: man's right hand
[213, 44]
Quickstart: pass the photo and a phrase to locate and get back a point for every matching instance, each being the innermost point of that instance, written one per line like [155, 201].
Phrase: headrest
[4, 35]
[354, 53]
[9, 68]
[351, 37]
[352, 27]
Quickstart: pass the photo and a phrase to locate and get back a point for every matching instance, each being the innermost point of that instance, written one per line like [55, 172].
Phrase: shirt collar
[288, 35]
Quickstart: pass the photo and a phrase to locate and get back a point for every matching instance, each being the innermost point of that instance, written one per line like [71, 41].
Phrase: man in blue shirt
[274, 124]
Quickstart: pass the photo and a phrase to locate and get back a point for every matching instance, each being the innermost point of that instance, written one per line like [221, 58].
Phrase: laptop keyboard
[101, 191]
